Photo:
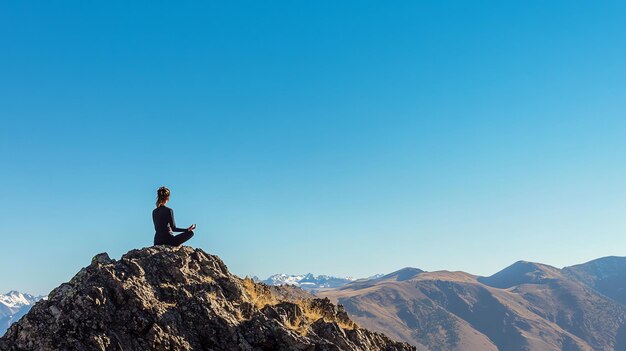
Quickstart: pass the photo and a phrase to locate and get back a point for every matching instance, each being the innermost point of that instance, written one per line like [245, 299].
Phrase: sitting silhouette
[164, 225]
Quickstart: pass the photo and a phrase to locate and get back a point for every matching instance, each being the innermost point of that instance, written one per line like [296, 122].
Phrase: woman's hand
[192, 227]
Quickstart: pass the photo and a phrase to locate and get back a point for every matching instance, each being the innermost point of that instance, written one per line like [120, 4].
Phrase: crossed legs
[174, 240]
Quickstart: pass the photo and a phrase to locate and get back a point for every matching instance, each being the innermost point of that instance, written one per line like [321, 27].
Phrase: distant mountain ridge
[526, 306]
[13, 305]
[308, 281]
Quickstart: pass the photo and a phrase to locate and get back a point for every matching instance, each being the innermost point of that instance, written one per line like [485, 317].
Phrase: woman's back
[161, 219]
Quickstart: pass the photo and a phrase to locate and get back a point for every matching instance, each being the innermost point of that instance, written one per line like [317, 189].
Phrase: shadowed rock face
[163, 298]
[607, 275]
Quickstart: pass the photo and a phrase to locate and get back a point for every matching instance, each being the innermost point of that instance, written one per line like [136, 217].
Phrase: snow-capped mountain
[13, 305]
[308, 281]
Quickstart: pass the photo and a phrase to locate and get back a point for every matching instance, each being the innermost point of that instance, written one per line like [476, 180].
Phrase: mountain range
[526, 306]
[13, 305]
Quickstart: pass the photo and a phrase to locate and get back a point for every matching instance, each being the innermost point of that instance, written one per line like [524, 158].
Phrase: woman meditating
[164, 225]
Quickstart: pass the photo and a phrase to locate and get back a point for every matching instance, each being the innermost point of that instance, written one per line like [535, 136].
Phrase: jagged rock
[164, 298]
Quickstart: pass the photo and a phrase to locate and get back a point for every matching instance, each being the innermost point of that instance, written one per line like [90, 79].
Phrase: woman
[163, 218]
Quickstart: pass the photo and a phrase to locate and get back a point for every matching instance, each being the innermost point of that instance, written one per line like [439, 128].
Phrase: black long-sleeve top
[163, 218]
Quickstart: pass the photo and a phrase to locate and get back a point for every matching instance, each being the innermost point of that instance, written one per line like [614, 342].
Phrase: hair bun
[162, 194]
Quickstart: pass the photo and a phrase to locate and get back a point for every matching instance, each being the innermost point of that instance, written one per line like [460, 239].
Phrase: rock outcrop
[164, 298]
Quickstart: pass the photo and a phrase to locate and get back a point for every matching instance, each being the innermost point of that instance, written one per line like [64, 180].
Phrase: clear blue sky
[347, 138]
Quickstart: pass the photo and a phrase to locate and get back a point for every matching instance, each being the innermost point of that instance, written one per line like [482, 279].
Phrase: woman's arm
[173, 223]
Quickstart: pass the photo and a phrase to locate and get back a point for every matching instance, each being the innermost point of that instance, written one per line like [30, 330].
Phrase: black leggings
[173, 240]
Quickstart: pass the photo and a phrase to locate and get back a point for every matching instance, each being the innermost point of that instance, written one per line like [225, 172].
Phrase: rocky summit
[166, 298]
